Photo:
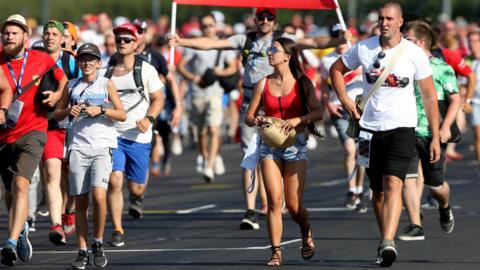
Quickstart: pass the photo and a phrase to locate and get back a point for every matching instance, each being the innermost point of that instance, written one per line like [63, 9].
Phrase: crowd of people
[85, 107]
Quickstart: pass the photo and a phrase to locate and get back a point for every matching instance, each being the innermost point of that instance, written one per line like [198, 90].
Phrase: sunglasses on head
[380, 55]
[267, 16]
[126, 40]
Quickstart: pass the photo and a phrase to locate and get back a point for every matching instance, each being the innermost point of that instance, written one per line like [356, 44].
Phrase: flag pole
[340, 19]
[173, 23]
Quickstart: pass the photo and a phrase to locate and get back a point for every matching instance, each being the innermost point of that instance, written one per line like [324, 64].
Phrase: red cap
[128, 27]
[263, 9]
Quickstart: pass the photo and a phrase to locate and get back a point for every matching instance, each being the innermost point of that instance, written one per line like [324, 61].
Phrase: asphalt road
[189, 224]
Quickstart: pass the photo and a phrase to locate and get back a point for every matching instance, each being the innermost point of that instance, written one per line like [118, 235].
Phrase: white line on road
[196, 209]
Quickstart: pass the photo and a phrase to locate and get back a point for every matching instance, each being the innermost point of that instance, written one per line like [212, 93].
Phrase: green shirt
[445, 84]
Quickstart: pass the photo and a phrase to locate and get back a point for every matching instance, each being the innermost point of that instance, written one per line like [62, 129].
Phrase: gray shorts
[246, 132]
[89, 168]
[475, 115]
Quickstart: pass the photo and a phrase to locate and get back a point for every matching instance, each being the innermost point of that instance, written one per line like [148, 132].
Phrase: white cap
[18, 20]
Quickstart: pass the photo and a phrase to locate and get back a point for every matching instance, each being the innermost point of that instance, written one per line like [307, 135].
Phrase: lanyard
[82, 92]
[18, 81]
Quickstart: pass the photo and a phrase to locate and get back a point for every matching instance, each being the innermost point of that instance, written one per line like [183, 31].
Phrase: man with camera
[202, 68]
[22, 142]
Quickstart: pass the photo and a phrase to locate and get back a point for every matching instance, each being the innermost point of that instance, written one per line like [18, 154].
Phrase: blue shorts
[296, 152]
[341, 125]
[133, 159]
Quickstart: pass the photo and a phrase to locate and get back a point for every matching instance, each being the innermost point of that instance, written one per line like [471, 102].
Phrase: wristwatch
[103, 110]
[151, 118]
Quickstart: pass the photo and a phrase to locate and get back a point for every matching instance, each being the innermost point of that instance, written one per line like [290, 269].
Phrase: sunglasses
[274, 50]
[380, 55]
[205, 26]
[125, 40]
[262, 17]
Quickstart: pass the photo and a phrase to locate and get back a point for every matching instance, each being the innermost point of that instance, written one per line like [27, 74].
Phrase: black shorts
[433, 173]
[390, 154]
[21, 157]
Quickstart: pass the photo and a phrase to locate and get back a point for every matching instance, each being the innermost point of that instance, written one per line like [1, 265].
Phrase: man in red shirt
[22, 141]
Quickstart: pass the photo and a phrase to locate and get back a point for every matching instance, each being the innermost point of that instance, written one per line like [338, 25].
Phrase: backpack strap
[251, 38]
[65, 59]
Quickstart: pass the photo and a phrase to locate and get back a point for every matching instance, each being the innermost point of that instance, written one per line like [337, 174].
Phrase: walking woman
[287, 94]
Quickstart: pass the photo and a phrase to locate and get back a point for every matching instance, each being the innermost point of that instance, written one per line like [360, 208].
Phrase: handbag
[230, 82]
[456, 135]
[353, 129]
[273, 136]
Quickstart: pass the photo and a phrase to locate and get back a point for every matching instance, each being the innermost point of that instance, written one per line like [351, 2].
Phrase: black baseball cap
[88, 48]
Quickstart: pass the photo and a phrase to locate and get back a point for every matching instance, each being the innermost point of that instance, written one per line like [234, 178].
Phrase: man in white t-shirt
[132, 156]
[387, 136]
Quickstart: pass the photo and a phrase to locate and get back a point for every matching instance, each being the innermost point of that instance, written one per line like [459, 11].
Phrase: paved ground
[193, 225]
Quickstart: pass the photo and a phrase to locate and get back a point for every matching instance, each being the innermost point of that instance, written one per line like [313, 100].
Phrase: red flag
[286, 4]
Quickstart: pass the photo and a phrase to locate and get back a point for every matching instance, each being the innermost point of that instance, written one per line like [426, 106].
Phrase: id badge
[14, 113]
[364, 142]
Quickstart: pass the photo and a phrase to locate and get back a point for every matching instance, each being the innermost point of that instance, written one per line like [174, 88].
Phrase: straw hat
[18, 20]
[273, 136]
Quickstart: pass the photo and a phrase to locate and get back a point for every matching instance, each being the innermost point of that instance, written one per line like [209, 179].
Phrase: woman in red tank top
[287, 94]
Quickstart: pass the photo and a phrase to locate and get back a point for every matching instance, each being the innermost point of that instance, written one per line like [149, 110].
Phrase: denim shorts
[296, 152]
[341, 125]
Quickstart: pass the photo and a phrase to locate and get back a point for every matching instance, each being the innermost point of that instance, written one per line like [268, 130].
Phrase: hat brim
[87, 53]
[25, 27]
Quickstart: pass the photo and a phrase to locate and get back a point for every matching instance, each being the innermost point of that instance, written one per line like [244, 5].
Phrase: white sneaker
[199, 166]
[208, 175]
[218, 167]
[311, 143]
[177, 145]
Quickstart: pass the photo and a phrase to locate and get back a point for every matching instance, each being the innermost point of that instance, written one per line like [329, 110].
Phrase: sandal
[276, 259]
[308, 247]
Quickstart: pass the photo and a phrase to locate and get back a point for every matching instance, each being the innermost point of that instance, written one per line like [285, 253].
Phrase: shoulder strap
[385, 73]
[251, 37]
[65, 59]
[34, 81]
[137, 73]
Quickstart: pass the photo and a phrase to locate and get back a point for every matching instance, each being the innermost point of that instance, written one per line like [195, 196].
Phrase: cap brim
[87, 53]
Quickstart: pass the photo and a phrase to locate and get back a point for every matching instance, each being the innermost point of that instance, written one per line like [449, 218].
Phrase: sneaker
[249, 221]
[31, 225]
[351, 201]
[68, 223]
[43, 210]
[219, 167]
[388, 253]
[117, 240]
[136, 208]
[361, 206]
[57, 235]
[208, 175]
[24, 247]
[311, 143]
[82, 260]
[412, 233]
[9, 254]
[177, 145]
[446, 219]
[199, 167]
[99, 259]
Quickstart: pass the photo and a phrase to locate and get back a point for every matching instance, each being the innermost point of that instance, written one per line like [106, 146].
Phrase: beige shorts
[206, 112]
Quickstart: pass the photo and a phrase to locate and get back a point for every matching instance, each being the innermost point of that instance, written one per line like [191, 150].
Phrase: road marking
[196, 209]
[334, 182]
[170, 249]
[214, 186]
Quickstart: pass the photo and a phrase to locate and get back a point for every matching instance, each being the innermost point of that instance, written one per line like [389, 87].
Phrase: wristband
[151, 118]
[103, 110]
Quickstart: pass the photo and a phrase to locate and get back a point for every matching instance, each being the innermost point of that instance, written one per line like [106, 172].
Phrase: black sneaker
[388, 253]
[249, 221]
[446, 219]
[9, 254]
[136, 207]
[31, 225]
[351, 201]
[99, 259]
[412, 233]
[361, 206]
[117, 240]
[82, 260]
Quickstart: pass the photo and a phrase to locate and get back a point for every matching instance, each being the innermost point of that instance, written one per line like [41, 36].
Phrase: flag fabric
[285, 4]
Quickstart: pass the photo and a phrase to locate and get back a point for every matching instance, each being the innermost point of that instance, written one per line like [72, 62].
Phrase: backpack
[248, 48]
[65, 59]
[137, 77]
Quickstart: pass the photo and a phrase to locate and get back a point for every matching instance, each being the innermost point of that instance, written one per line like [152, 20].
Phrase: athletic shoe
[311, 142]
[9, 254]
[412, 233]
[68, 223]
[208, 175]
[31, 225]
[218, 167]
[249, 221]
[177, 145]
[361, 206]
[24, 247]
[388, 253]
[351, 201]
[117, 240]
[99, 259]
[42, 210]
[57, 235]
[446, 219]
[136, 208]
[82, 260]
[199, 167]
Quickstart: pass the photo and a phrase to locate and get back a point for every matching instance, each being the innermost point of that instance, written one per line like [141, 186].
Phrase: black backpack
[248, 48]
[137, 77]
[71, 74]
